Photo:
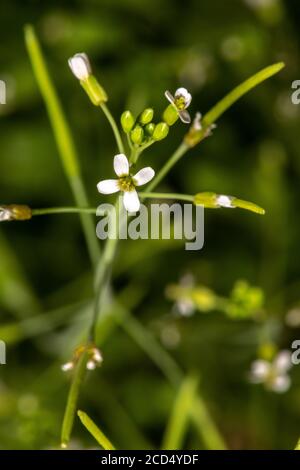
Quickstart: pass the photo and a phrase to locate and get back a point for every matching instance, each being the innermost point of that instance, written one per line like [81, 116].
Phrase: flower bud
[94, 90]
[80, 66]
[127, 121]
[170, 115]
[149, 128]
[15, 212]
[137, 135]
[161, 131]
[146, 116]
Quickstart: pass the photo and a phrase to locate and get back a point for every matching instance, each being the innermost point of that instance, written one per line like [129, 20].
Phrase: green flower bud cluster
[245, 301]
[143, 130]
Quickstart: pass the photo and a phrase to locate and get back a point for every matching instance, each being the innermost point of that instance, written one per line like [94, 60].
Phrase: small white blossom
[273, 374]
[181, 102]
[224, 201]
[5, 214]
[126, 182]
[67, 366]
[184, 305]
[80, 66]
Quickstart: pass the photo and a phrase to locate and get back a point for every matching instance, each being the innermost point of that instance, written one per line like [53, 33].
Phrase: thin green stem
[63, 137]
[70, 411]
[93, 429]
[177, 196]
[114, 127]
[64, 210]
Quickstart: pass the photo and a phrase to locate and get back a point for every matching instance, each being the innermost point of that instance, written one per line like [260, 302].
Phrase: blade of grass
[63, 138]
[180, 415]
[298, 445]
[93, 429]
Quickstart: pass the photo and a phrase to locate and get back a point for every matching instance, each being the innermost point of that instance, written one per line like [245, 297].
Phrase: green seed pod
[127, 121]
[161, 131]
[149, 128]
[137, 135]
[170, 115]
[146, 116]
[94, 90]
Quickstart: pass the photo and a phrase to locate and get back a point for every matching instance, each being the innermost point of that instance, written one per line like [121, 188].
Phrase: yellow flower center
[126, 183]
[180, 103]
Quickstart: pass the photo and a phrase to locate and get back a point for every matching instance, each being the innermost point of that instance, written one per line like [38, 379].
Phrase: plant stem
[70, 411]
[92, 210]
[98, 435]
[64, 210]
[114, 127]
[181, 150]
[62, 136]
[179, 197]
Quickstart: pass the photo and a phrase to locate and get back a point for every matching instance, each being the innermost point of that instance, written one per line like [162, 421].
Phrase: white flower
[80, 66]
[5, 214]
[184, 305]
[126, 182]
[67, 366]
[181, 102]
[273, 374]
[224, 201]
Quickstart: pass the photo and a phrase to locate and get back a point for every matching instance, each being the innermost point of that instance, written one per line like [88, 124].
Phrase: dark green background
[138, 49]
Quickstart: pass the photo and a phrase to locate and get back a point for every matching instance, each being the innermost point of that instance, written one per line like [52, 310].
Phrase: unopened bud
[15, 212]
[94, 90]
[170, 115]
[161, 131]
[137, 135]
[127, 121]
[146, 116]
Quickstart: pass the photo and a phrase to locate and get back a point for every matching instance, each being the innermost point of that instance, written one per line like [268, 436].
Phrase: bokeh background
[138, 49]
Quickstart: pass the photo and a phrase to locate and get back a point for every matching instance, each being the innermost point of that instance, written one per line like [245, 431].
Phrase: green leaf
[95, 431]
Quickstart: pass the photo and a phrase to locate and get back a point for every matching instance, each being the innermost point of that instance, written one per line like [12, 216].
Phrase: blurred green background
[139, 49]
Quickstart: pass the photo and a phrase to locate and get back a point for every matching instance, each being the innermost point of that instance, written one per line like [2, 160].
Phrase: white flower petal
[283, 361]
[185, 94]
[281, 383]
[5, 214]
[90, 365]
[80, 66]
[143, 176]
[108, 186]
[224, 201]
[131, 201]
[169, 97]
[259, 370]
[185, 116]
[67, 366]
[97, 356]
[121, 165]
[185, 307]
